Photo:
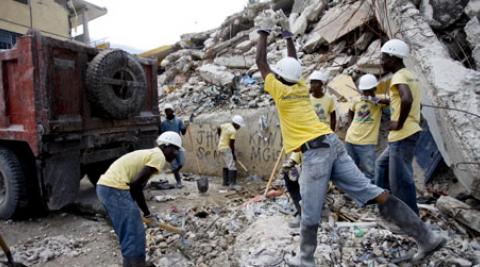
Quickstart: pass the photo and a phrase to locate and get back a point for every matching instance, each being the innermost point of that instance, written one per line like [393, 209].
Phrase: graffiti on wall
[261, 145]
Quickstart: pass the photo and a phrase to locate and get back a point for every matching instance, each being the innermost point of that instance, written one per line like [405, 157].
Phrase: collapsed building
[212, 74]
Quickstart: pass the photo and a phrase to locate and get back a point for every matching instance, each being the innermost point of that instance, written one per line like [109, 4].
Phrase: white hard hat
[170, 138]
[367, 82]
[168, 106]
[238, 120]
[289, 69]
[319, 75]
[397, 48]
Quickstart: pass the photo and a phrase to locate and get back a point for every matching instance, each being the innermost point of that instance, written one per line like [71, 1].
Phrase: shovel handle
[274, 171]
[6, 250]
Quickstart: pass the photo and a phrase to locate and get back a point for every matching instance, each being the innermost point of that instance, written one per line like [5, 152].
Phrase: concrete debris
[441, 14]
[473, 8]
[364, 40]
[217, 75]
[343, 19]
[371, 60]
[40, 250]
[344, 40]
[460, 212]
[472, 29]
[445, 83]
[235, 62]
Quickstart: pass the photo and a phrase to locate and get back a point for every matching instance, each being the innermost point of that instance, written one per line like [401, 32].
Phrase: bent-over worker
[226, 146]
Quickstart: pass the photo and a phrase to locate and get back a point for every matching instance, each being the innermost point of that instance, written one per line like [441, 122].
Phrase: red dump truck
[68, 110]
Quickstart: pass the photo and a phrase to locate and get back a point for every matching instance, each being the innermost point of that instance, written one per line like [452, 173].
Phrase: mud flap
[61, 178]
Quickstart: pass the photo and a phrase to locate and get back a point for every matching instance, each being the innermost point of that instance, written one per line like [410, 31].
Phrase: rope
[452, 109]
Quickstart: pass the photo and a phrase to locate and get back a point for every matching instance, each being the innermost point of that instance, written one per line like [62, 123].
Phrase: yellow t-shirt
[227, 133]
[323, 106]
[366, 123]
[412, 123]
[122, 172]
[298, 120]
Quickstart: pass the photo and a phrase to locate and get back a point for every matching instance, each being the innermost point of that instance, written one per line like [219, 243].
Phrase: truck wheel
[116, 84]
[13, 189]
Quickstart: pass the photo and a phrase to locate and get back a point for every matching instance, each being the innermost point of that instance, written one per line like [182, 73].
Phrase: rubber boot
[133, 262]
[232, 176]
[397, 212]
[295, 222]
[308, 245]
[178, 178]
[226, 181]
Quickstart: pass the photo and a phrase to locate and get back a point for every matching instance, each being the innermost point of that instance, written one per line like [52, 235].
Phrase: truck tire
[13, 189]
[116, 84]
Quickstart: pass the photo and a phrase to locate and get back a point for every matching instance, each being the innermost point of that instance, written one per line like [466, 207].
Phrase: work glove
[150, 221]
[265, 22]
[372, 99]
[186, 123]
[284, 24]
[294, 174]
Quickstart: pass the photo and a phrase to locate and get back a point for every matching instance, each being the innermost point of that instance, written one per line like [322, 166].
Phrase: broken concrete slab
[472, 29]
[473, 8]
[460, 212]
[476, 56]
[235, 61]
[441, 14]
[445, 83]
[371, 60]
[309, 14]
[364, 40]
[217, 75]
[343, 19]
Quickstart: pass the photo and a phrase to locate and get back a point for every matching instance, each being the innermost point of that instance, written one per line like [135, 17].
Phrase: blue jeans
[179, 161]
[126, 220]
[394, 170]
[364, 157]
[323, 164]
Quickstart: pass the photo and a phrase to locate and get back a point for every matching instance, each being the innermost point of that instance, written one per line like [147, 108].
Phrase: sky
[140, 25]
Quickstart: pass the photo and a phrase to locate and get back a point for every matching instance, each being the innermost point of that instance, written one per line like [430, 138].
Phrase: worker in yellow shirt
[226, 146]
[323, 103]
[394, 170]
[120, 190]
[365, 115]
[324, 155]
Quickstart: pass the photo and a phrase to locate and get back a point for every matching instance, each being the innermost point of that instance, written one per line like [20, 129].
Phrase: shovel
[8, 254]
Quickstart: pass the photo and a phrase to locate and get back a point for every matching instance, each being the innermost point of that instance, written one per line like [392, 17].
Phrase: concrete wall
[48, 16]
[258, 144]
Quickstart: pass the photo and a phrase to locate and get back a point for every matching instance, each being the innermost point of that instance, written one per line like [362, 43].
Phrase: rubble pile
[209, 233]
[216, 69]
[41, 249]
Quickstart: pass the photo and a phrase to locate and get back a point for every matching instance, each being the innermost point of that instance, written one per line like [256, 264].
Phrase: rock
[472, 29]
[440, 14]
[217, 75]
[473, 8]
[194, 40]
[371, 60]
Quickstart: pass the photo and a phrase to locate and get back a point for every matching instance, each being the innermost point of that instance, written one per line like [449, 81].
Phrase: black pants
[293, 189]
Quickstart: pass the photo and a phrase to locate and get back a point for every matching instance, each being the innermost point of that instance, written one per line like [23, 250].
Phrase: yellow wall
[48, 16]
